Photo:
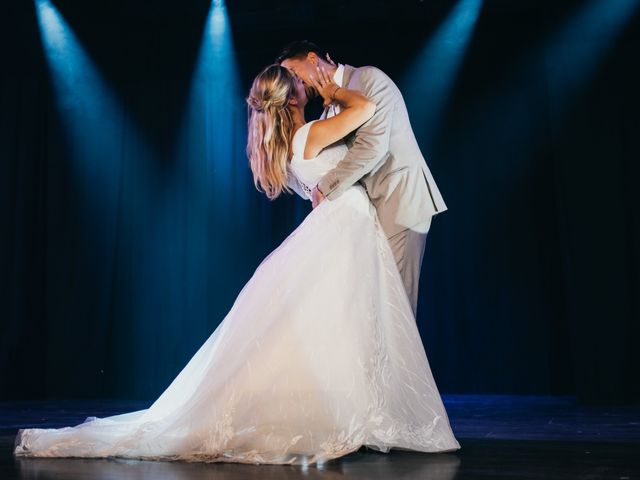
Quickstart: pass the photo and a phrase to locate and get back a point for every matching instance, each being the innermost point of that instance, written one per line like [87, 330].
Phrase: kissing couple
[320, 354]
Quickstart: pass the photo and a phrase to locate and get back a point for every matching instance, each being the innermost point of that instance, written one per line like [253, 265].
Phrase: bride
[319, 354]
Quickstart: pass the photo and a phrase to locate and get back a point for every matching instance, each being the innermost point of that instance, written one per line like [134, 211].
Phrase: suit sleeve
[371, 142]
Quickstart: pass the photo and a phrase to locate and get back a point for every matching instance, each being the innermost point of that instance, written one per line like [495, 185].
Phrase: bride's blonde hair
[270, 128]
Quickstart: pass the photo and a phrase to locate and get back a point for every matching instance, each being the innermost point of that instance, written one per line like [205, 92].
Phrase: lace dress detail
[306, 189]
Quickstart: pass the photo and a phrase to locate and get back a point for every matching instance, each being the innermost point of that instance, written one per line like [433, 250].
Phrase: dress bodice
[309, 171]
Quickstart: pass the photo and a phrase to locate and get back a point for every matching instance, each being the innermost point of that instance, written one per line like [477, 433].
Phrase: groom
[383, 156]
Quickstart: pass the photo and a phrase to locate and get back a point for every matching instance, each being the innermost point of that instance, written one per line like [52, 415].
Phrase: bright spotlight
[90, 116]
[428, 83]
[213, 130]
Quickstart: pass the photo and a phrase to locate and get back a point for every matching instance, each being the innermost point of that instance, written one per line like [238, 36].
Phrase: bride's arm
[355, 110]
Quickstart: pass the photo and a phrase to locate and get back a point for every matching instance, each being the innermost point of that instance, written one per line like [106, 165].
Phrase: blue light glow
[573, 53]
[213, 135]
[90, 115]
[433, 73]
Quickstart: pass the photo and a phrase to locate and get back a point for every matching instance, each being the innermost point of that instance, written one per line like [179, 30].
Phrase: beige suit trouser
[408, 250]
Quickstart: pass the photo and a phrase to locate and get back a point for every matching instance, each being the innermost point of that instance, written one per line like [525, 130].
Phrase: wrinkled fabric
[319, 355]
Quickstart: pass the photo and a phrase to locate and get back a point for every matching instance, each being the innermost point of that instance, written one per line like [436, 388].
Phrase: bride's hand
[324, 85]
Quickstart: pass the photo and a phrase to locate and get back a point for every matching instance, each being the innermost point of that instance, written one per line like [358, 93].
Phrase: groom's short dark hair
[300, 48]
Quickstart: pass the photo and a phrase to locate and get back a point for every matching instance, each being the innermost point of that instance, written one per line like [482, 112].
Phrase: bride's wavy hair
[270, 129]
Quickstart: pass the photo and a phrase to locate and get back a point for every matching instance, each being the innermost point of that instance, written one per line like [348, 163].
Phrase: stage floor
[502, 437]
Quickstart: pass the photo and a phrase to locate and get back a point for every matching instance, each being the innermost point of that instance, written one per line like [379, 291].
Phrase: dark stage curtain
[125, 240]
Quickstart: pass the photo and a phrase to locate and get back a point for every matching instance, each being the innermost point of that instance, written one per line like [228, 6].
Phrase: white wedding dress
[319, 355]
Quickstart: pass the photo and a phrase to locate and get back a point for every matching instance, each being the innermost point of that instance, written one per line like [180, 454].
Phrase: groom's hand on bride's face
[316, 197]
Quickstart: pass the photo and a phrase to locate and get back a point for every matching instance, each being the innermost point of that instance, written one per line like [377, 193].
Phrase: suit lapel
[346, 78]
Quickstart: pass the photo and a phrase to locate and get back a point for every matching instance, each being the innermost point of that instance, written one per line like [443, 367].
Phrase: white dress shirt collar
[339, 74]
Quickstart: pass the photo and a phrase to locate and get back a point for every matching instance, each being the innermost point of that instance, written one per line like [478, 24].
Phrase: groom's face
[301, 94]
[302, 68]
